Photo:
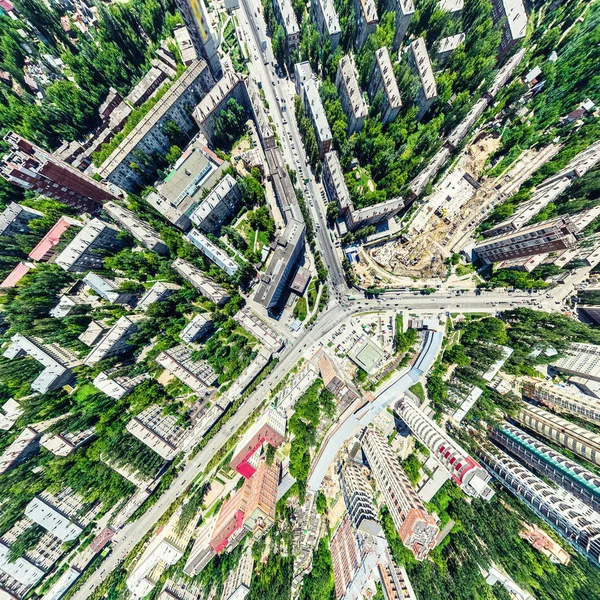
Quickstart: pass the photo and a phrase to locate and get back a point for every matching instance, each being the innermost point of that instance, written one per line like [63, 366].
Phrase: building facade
[358, 497]
[207, 287]
[286, 17]
[15, 219]
[220, 205]
[418, 59]
[326, 20]
[115, 341]
[353, 103]
[366, 20]
[384, 80]
[213, 252]
[512, 16]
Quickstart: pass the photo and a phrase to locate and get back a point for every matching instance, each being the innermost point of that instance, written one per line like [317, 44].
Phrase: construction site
[445, 221]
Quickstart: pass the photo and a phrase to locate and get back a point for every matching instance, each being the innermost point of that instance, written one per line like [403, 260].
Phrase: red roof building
[45, 249]
[17, 274]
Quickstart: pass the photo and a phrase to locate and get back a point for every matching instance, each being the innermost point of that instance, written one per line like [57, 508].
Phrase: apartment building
[308, 90]
[198, 375]
[270, 429]
[58, 362]
[512, 16]
[465, 471]
[569, 475]
[560, 399]
[383, 80]
[206, 286]
[289, 395]
[66, 442]
[46, 248]
[108, 289]
[416, 527]
[146, 235]
[251, 509]
[578, 440]
[419, 61]
[159, 291]
[285, 193]
[202, 552]
[446, 46]
[32, 168]
[23, 446]
[146, 87]
[148, 136]
[93, 334]
[288, 250]
[353, 103]
[115, 385]
[220, 205]
[10, 412]
[197, 328]
[213, 252]
[366, 20]
[326, 20]
[286, 17]
[186, 46]
[15, 219]
[22, 268]
[237, 584]
[337, 191]
[548, 236]
[115, 341]
[256, 327]
[204, 38]
[580, 360]
[358, 497]
[86, 251]
[230, 86]
[157, 431]
[576, 522]
[404, 11]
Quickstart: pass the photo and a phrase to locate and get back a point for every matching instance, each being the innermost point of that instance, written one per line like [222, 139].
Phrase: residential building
[561, 399]
[326, 20]
[286, 399]
[285, 193]
[195, 174]
[157, 431]
[198, 375]
[308, 89]
[270, 429]
[15, 219]
[404, 10]
[202, 552]
[115, 385]
[46, 247]
[337, 191]
[93, 334]
[85, 250]
[148, 137]
[288, 250]
[541, 541]
[358, 497]
[548, 236]
[237, 584]
[452, 6]
[146, 235]
[256, 327]
[115, 341]
[251, 509]
[197, 328]
[446, 46]
[23, 446]
[335, 381]
[58, 363]
[213, 252]
[286, 17]
[108, 289]
[580, 360]
[416, 527]
[206, 286]
[185, 45]
[66, 442]
[147, 86]
[261, 118]
[159, 291]
[230, 86]
[366, 20]
[418, 59]
[576, 522]
[512, 16]
[353, 103]
[195, 17]
[9, 413]
[23, 267]
[465, 471]
[32, 168]
[383, 80]
[394, 581]
[578, 440]
[569, 475]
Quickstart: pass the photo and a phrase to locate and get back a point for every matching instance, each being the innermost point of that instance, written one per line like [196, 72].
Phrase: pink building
[17, 274]
[45, 249]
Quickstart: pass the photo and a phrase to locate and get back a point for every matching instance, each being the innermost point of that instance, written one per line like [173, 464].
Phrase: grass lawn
[300, 309]
[418, 390]
[85, 391]
[312, 294]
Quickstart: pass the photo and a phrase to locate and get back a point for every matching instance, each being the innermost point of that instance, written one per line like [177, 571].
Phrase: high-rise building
[115, 340]
[571, 476]
[366, 20]
[195, 17]
[575, 521]
[556, 429]
[220, 204]
[353, 103]
[404, 11]
[416, 527]
[83, 252]
[202, 551]
[420, 62]
[560, 399]
[548, 236]
[383, 79]
[358, 497]
[213, 252]
[345, 556]
[326, 20]
[32, 168]
[237, 584]
[15, 219]
[270, 429]
[511, 14]
[464, 470]
[206, 286]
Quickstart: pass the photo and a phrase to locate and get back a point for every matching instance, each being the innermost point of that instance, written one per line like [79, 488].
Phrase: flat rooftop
[390, 85]
[424, 69]
[350, 82]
